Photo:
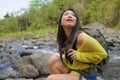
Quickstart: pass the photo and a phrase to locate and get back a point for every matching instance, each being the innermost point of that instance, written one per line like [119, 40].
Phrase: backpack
[99, 68]
[97, 34]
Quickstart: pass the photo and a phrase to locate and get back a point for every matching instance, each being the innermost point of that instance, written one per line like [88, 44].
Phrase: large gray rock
[40, 62]
[31, 66]
[99, 26]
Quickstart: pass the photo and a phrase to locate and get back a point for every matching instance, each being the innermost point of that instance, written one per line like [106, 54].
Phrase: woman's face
[68, 19]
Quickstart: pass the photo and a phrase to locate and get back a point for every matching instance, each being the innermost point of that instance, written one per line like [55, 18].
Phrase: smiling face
[68, 25]
[68, 19]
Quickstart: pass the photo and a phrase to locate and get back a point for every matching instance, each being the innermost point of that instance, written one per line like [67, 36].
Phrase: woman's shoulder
[80, 38]
[83, 34]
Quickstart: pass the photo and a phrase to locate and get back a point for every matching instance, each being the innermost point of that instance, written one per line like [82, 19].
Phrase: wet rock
[25, 53]
[8, 73]
[1, 45]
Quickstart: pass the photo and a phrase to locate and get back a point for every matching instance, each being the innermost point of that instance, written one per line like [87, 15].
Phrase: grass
[40, 32]
[44, 30]
[14, 34]
[117, 27]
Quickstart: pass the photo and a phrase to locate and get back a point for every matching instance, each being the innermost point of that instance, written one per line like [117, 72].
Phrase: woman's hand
[72, 54]
[58, 49]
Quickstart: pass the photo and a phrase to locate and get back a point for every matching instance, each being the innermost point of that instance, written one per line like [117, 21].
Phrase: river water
[112, 72]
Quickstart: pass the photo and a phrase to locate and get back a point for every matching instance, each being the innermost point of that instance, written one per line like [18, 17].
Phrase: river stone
[9, 72]
[40, 62]
[28, 71]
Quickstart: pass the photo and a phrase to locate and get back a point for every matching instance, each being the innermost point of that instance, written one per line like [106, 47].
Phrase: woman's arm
[89, 50]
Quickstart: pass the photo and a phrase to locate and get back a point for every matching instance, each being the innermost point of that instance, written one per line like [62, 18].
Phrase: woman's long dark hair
[61, 37]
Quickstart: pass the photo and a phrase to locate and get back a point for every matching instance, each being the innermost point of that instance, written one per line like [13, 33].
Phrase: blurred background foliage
[44, 14]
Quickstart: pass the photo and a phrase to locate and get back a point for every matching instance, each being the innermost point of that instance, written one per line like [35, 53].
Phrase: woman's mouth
[70, 20]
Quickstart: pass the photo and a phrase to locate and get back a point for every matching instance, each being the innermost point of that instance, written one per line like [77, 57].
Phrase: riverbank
[25, 58]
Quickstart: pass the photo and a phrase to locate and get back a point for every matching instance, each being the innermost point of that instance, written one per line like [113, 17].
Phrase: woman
[85, 50]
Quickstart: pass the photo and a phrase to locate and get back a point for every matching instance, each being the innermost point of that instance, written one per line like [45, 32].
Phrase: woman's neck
[68, 31]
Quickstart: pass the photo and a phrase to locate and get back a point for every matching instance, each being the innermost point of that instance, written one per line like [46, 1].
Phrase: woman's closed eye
[67, 13]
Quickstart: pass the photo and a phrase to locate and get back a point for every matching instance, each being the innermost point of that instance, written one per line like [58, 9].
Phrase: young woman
[85, 50]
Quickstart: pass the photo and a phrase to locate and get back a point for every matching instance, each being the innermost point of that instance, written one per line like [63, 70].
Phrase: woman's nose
[69, 16]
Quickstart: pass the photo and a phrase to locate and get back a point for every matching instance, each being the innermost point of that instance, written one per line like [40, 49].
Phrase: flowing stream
[112, 72]
[17, 49]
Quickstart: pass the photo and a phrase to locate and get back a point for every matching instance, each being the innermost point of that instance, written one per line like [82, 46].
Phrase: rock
[9, 72]
[40, 62]
[99, 26]
[18, 79]
[29, 36]
[1, 45]
[35, 63]
[28, 71]
[25, 68]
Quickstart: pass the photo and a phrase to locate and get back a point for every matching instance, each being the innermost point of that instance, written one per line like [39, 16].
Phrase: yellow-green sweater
[89, 51]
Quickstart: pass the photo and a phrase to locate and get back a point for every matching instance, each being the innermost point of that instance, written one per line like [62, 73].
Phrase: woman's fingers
[72, 53]
[70, 50]
[73, 57]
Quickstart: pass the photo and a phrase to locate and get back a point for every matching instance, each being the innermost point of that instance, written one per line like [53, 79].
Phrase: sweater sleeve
[90, 51]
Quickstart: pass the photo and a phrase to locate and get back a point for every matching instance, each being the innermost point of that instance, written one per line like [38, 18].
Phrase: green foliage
[22, 22]
[6, 16]
[8, 25]
[14, 34]
[103, 11]
[43, 31]
[117, 27]
[44, 13]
